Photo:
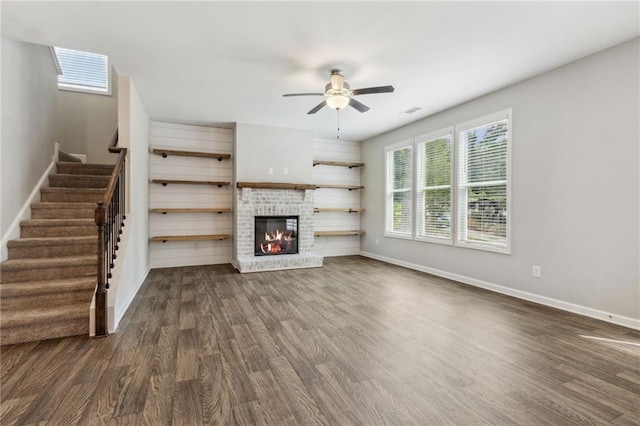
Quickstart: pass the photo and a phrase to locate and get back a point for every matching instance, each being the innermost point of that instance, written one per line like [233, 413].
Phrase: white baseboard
[519, 294]
[122, 309]
[24, 213]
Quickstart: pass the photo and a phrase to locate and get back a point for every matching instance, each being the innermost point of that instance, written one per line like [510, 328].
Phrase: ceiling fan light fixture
[337, 101]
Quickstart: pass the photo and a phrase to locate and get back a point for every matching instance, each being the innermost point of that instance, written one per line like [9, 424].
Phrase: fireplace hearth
[276, 235]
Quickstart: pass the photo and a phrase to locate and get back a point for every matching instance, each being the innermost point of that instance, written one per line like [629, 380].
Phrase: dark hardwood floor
[355, 342]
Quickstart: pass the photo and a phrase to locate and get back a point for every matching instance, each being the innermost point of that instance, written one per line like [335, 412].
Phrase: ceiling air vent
[410, 110]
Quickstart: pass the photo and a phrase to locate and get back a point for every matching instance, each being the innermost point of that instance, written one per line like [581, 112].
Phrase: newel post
[101, 289]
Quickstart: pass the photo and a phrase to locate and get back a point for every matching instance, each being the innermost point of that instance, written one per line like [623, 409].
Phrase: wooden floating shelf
[322, 210]
[166, 238]
[336, 233]
[191, 210]
[275, 185]
[166, 152]
[337, 163]
[165, 182]
[349, 187]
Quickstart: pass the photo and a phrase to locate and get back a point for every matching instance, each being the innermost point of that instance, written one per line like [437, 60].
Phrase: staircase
[48, 281]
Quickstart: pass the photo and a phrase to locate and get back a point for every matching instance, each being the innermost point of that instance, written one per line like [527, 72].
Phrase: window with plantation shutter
[433, 187]
[83, 71]
[483, 183]
[399, 193]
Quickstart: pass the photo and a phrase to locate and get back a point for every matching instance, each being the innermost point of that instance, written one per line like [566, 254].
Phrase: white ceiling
[218, 63]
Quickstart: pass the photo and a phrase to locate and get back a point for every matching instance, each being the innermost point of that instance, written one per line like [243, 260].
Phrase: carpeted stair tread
[62, 206]
[56, 262]
[84, 168]
[57, 222]
[34, 288]
[59, 190]
[45, 228]
[44, 314]
[52, 241]
[71, 195]
[40, 269]
[51, 210]
[78, 181]
[48, 247]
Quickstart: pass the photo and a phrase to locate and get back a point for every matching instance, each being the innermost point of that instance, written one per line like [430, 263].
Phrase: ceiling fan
[338, 94]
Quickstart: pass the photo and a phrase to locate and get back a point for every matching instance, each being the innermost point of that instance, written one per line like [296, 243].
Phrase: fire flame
[274, 241]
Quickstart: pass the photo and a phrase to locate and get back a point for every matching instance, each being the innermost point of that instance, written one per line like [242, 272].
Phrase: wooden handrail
[122, 153]
[109, 216]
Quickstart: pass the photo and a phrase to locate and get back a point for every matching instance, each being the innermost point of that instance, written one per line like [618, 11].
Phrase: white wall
[29, 87]
[85, 122]
[260, 147]
[575, 189]
[134, 134]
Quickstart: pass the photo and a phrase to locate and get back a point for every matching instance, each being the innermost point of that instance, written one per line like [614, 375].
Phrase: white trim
[506, 114]
[24, 213]
[420, 190]
[122, 309]
[82, 89]
[56, 63]
[398, 235]
[388, 194]
[609, 317]
[112, 318]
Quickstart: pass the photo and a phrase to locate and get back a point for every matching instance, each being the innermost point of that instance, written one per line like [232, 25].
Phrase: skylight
[83, 71]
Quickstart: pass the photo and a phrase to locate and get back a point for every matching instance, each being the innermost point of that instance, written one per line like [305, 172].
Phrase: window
[433, 187]
[483, 183]
[83, 71]
[462, 185]
[399, 184]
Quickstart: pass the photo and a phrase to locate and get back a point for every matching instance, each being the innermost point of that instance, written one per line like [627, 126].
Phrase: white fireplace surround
[252, 202]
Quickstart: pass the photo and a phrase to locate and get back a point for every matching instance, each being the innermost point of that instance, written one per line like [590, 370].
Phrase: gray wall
[575, 186]
[259, 147]
[85, 122]
[29, 88]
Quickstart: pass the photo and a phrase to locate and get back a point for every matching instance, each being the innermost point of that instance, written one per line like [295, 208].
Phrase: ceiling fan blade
[317, 107]
[371, 90]
[358, 105]
[303, 94]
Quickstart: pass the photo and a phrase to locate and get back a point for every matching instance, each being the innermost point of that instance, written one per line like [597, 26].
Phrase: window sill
[484, 247]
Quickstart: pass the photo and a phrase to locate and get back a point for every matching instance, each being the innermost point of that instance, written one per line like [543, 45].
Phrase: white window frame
[388, 199]
[82, 88]
[419, 213]
[459, 128]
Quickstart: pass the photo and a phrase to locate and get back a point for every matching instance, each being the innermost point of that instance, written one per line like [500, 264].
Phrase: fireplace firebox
[276, 235]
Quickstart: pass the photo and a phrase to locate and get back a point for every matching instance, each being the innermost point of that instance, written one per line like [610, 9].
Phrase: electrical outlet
[536, 271]
[270, 170]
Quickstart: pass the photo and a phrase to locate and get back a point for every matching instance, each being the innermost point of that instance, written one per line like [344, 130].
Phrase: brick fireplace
[253, 202]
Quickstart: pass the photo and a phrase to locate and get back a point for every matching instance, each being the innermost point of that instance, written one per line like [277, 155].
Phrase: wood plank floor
[355, 342]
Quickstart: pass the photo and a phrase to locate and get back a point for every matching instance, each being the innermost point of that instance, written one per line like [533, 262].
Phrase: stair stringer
[13, 232]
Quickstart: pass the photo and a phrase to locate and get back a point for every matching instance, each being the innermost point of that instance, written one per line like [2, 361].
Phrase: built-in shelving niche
[190, 196]
[336, 172]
